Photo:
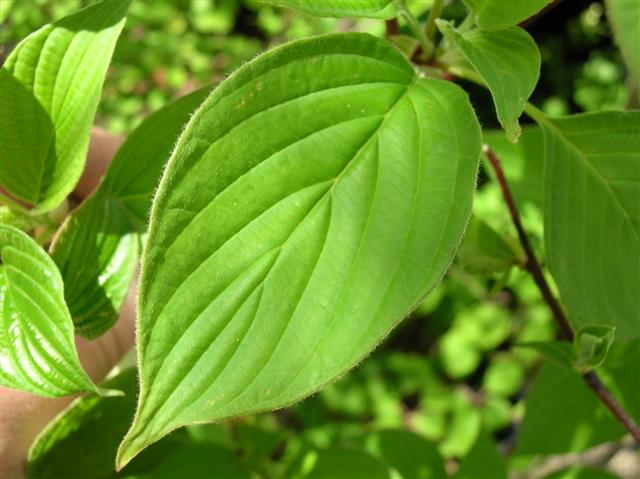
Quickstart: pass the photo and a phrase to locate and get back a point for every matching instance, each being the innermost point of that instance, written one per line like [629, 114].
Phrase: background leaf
[314, 191]
[37, 351]
[592, 202]
[484, 250]
[97, 247]
[49, 91]
[509, 63]
[341, 8]
[343, 463]
[496, 15]
[483, 461]
[409, 454]
[561, 402]
[624, 17]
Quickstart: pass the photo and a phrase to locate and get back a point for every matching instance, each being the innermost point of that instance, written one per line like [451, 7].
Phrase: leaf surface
[312, 201]
[496, 15]
[412, 456]
[97, 247]
[592, 216]
[49, 91]
[583, 421]
[37, 350]
[341, 8]
[509, 63]
[624, 17]
[343, 463]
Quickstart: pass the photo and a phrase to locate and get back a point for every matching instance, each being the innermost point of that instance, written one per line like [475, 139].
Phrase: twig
[532, 265]
[434, 13]
[392, 27]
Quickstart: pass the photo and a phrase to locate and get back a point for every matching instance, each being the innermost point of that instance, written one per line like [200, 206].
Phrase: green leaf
[37, 351]
[409, 454]
[624, 17]
[341, 8]
[97, 247]
[343, 463]
[483, 461]
[320, 182]
[592, 345]
[485, 251]
[496, 15]
[198, 461]
[81, 442]
[509, 63]
[49, 91]
[560, 353]
[69, 446]
[592, 216]
[560, 401]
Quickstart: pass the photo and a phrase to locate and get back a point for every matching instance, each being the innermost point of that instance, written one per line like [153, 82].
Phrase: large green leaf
[509, 63]
[341, 8]
[97, 247]
[500, 14]
[592, 216]
[624, 16]
[37, 352]
[313, 200]
[49, 91]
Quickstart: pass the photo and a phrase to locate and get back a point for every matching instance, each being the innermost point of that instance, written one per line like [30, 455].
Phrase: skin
[23, 415]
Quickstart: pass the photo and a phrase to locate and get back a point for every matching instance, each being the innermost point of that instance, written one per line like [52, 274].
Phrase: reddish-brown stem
[533, 266]
[392, 27]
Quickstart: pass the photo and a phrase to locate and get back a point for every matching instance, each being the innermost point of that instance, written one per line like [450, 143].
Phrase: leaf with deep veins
[509, 63]
[97, 247]
[592, 216]
[312, 201]
[37, 352]
[50, 86]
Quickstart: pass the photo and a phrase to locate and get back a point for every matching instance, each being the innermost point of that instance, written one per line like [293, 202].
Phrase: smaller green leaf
[341, 8]
[412, 456]
[483, 461]
[509, 63]
[624, 17]
[50, 86]
[484, 250]
[560, 353]
[592, 345]
[97, 248]
[496, 15]
[560, 401]
[343, 463]
[37, 349]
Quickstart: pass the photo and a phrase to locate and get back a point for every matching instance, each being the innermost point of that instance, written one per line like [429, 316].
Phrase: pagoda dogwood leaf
[311, 203]
[49, 91]
[37, 352]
